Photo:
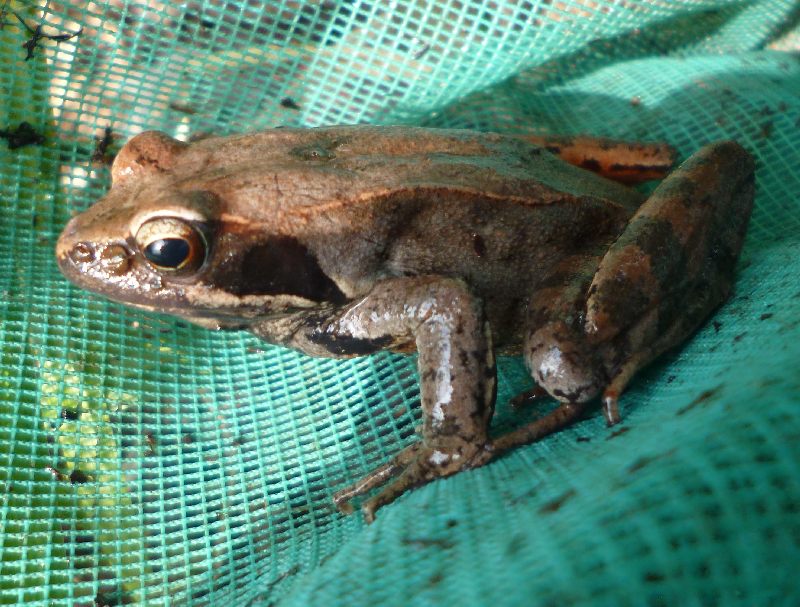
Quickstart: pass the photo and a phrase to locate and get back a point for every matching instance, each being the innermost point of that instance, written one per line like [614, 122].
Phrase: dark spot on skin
[671, 379]
[451, 523]
[555, 504]
[583, 439]
[579, 394]
[657, 239]
[651, 577]
[717, 326]
[766, 315]
[289, 103]
[313, 153]
[639, 168]
[281, 266]
[700, 400]
[428, 375]
[77, 477]
[627, 297]
[323, 149]
[590, 164]
[528, 396]
[435, 579]
[739, 337]
[478, 245]
[346, 344]
[617, 433]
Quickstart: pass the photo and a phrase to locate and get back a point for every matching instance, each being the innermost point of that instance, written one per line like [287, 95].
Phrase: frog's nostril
[83, 252]
[115, 259]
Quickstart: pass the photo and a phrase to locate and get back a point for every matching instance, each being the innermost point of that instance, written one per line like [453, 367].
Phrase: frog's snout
[114, 259]
[76, 255]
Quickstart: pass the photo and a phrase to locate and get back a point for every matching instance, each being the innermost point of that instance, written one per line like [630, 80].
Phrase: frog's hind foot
[414, 466]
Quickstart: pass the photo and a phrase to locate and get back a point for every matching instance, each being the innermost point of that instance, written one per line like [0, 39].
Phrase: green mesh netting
[147, 462]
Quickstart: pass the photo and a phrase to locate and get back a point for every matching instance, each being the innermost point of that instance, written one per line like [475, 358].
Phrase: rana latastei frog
[344, 241]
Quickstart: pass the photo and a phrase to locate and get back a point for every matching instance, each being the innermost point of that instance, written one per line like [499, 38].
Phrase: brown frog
[343, 241]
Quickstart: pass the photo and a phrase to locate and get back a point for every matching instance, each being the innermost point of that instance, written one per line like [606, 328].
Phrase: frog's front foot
[416, 465]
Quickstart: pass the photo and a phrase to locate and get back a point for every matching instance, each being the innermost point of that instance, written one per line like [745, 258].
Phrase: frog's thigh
[686, 236]
[675, 261]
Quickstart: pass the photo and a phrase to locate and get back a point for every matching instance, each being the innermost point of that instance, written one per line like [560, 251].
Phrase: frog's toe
[611, 406]
[406, 481]
[416, 465]
[375, 478]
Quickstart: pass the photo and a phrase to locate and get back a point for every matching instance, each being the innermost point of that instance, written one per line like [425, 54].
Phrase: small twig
[37, 35]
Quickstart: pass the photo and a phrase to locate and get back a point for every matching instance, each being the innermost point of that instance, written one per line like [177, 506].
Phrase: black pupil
[167, 252]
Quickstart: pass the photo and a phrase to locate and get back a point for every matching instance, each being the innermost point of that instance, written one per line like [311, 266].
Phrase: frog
[455, 244]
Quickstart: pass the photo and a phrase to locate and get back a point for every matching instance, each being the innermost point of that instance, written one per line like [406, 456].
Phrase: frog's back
[300, 171]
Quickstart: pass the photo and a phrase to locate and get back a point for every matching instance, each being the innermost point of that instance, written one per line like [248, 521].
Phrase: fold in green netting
[146, 462]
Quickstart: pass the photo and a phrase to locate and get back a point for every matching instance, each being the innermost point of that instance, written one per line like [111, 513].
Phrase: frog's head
[159, 240]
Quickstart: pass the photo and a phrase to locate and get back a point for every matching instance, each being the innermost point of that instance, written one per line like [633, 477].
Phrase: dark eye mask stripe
[280, 266]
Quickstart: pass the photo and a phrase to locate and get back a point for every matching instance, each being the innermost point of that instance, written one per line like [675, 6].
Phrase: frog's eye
[171, 244]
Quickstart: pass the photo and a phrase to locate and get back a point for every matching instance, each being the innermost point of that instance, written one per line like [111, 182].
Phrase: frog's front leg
[456, 367]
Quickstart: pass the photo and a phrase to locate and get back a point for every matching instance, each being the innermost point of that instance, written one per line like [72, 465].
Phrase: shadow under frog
[343, 241]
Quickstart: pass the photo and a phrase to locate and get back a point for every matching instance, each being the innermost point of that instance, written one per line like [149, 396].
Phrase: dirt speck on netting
[700, 400]
[555, 504]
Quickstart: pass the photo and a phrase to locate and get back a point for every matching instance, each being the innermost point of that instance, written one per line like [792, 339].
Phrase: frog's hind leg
[672, 266]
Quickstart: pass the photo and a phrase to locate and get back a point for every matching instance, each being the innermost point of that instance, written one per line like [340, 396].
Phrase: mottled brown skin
[343, 241]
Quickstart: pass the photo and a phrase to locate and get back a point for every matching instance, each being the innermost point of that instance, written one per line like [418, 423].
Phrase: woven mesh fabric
[146, 462]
